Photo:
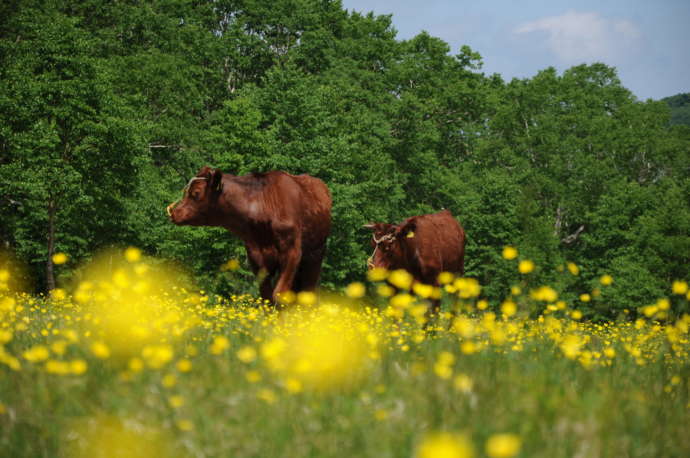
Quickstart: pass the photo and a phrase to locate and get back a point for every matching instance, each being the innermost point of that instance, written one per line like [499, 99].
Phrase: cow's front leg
[291, 254]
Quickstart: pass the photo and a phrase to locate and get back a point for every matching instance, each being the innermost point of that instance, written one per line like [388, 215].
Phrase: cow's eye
[195, 195]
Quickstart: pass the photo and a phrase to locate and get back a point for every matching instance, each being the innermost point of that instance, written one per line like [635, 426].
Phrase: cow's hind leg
[309, 271]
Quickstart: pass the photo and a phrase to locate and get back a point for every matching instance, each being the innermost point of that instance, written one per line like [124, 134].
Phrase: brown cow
[424, 245]
[283, 219]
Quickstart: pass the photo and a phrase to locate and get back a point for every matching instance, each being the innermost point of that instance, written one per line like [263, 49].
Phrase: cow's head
[199, 198]
[391, 243]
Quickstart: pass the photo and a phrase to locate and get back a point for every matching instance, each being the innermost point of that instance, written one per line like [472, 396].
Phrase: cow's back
[302, 201]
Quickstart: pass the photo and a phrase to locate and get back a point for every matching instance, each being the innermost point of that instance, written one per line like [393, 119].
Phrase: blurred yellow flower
[253, 376]
[585, 297]
[132, 254]
[355, 290]
[219, 345]
[169, 380]
[377, 274]
[526, 266]
[59, 258]
[544, 293]
[508, 308]
[176, 401]
[445, 277]
[679, 287]
[401, 279]
[230, 265]
[510, 252]
[267, 395]
[503, 445]
[58, 294]
[78, 366]
[445, 445]
[573, 268]
[246, 354]
[463, 383]
[606, 280]
[36, 354]
[467, 287]
[306, 298]
[184, 425]
[184, 365]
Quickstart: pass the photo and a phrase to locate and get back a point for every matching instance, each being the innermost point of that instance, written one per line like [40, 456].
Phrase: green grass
[558, 407]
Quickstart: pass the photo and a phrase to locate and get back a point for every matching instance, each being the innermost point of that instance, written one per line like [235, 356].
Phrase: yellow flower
[231, 265]
[663, 304]
[293, 385]
[169, 381]
[509, 252]
[246, 354]
[380, 414]
[463, 383]
[377, 274]
[306, 298]
[252, 376]
[176, 401]
[467, 287]
[78, 366]
[445, 277]
[679, 287]
[609, 352]
[422, 290]
[59, 258]
[132, 254]
[384, 290]
[355, 290]
[468, 347]
[267, 395]
[606, 280]
[36, 354]
[526, 266]
[576, 314]
[573, 268]
[585, 297]
[184, 424]
[58, 294]
[544, 293]
[508, 308]
[401, 279]
[219, 345]
[503, 445]
[445, 445]
[184, 365]
[402, 301]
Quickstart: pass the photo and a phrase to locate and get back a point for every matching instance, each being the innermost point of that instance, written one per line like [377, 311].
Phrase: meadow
[130, 361]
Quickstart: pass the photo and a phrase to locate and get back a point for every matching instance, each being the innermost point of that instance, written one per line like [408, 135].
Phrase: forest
[108, 108]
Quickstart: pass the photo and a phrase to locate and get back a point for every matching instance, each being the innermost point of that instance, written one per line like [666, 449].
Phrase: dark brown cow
[283, 219]
[424, 245]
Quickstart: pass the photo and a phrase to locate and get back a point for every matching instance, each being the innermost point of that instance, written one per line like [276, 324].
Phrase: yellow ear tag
[410, 234]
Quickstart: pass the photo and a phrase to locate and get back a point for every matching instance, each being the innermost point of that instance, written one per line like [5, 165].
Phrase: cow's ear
[216, 180]
[406, 229]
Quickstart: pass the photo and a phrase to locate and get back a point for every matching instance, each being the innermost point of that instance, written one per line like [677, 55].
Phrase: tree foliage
[107, 108]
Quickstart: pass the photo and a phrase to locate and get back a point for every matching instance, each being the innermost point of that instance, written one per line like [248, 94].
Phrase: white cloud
[576, 37]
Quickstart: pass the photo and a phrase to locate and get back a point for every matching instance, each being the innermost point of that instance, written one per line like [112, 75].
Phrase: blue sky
[647, 41]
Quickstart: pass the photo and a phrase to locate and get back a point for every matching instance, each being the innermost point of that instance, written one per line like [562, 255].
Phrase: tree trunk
[50, 275]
